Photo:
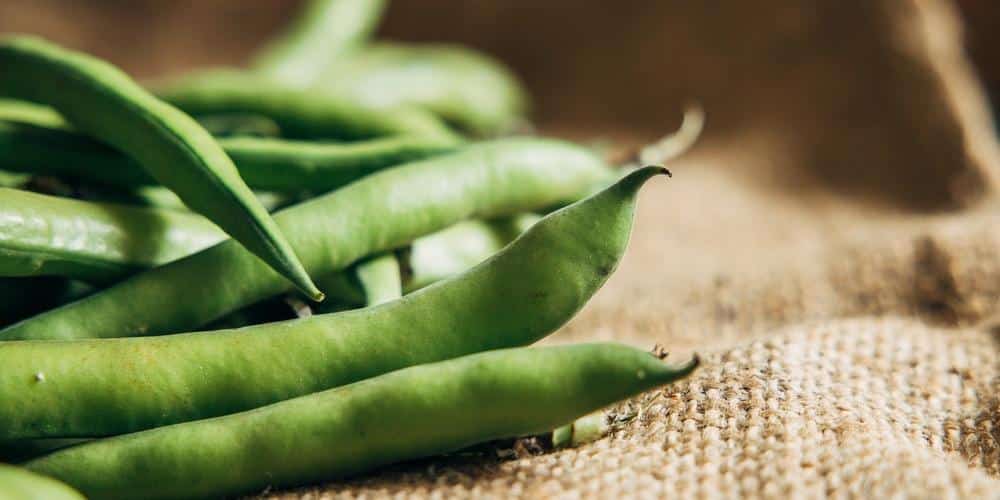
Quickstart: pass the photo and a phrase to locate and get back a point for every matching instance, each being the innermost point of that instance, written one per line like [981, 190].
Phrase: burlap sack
[811, 247]
[849, 336]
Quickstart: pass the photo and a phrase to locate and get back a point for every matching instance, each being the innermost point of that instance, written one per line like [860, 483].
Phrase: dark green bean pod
[380, 212]
[264, 163]
[94, 242]
[325, 30]
[20, 484]
[417, 412]
[15, 452]
[464, 87]
[100, 100]
[24, 297]
[515, 298]
[301, 114]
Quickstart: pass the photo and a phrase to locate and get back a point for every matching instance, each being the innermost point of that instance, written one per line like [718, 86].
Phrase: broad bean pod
[518, 296]
[464, 87]
[21, 484]
[93, 242]
[383, 211]
[100, 100]
[416, 412]
[263, 163]
[325, 30]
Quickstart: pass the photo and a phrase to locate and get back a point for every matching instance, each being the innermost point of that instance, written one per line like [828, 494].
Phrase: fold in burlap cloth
[849, 342]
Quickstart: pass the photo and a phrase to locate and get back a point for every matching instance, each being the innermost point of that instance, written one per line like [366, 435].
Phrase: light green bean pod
[21, 484]
[102, 101]
[464, 87]
[94, 242]
[449, 252]
[301, 114]
[324, 31]
[380, 279]
[416, 412]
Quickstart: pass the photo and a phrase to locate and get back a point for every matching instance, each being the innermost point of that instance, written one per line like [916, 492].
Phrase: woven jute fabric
[850, 343]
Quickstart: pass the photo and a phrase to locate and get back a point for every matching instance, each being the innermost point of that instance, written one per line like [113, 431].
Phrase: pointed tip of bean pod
[636, 178]
[677, 370]
[316, 295]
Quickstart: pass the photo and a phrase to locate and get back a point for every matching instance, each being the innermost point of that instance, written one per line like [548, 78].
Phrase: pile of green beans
[245, 279]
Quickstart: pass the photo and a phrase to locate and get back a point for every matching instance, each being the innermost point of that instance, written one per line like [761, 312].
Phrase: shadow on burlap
[850, 341]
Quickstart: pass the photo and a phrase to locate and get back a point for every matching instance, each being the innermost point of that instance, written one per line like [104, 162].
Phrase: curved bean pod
[269, 164]
[417, 412]
[20, 484]
[301, 114]
[383, 211]
[465, 87]
[104, 102]
[515, 298]
[94, 242]
[324, 30]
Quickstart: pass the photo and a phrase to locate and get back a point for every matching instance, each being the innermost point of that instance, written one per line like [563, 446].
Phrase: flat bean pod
[383, 211]
[21, 484]
[102, 101]
[465, 87]
[301, 114]
[264, 163]
[416, 412]
[94, 242]
[515, 298]
[325, 30]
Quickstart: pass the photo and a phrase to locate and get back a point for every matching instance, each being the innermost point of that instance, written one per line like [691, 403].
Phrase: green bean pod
[301, 114]
[417, 412]
[20, 484]
[383, 211]
[432, 258]
[104, 102]
[464, 87]
[13, 110]
[523, 293]
[447, 253]
[24, 297]
[93, 242]
[380, 279]
[264, 163]
[325, 30]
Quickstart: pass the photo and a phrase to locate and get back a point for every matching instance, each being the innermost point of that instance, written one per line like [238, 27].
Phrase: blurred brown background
[837, 94]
